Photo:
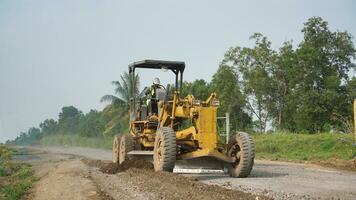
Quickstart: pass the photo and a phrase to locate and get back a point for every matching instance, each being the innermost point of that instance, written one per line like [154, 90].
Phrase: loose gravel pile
[139, 178]
[113, 168]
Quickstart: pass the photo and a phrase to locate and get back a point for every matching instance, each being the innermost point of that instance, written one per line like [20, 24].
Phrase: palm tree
[123, 90]
[116, 113]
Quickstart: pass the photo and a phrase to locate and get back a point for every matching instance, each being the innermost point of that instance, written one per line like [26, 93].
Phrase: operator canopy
[175, 66]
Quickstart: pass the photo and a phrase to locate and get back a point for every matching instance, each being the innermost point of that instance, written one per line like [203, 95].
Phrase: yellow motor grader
[170, 128]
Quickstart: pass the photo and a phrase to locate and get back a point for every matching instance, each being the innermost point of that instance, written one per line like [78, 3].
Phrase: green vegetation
[308, 147]
[298, 89]
[15, 178]
[122, 89]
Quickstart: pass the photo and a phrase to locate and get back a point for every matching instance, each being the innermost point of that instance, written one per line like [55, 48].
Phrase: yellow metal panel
[196, 154]
[148, 131]
[206, 125]
[146, 143]
[208, 152]
[182, 111]
[175, 101]
[164, 117]
[186, 133]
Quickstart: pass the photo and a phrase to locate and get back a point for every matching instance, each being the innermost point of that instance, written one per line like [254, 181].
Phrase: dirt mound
[166, 185]
[159, 185]
[339, 164]
[113, 168]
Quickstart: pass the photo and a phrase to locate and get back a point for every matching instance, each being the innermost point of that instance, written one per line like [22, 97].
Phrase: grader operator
[152, 95]
[168, 127]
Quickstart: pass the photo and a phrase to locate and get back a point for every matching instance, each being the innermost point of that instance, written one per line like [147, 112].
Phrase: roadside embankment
[332, 150]
[16, 178]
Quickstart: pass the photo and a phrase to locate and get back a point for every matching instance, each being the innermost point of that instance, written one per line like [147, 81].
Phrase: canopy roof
[175, 66]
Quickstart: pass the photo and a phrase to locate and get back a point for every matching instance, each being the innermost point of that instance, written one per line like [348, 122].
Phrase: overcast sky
[60, 53]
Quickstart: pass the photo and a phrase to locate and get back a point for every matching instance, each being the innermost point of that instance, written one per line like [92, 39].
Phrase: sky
[61, 53]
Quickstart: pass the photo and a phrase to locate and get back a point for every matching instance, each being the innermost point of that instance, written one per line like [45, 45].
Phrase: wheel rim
[159, 152]
[235, 151]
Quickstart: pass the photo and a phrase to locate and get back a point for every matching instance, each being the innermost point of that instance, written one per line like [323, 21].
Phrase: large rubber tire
[242, 147]
[165, 150]
[116, 149]
[126, 145]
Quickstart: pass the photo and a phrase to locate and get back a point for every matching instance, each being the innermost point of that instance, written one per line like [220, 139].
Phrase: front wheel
[242, 148]
[116, 149]
[165, 146]
[126, 145]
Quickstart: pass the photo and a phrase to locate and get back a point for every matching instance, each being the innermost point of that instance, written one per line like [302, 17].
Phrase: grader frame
[166, 135]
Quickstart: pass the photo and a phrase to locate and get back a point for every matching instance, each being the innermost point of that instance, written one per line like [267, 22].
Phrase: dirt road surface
[64, 175]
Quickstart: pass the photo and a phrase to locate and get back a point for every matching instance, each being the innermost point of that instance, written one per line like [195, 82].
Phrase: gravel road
[277, 180]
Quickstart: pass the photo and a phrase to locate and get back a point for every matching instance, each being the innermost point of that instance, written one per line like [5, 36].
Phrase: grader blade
[204, 165]
[141, 153]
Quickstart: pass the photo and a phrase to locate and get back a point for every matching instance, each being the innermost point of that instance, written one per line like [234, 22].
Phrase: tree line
[113, 119]
[301, 88]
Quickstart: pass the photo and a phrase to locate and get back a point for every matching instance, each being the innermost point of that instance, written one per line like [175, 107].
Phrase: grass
[76, 140]
[15, 186]
[15, 178]
[305, 147]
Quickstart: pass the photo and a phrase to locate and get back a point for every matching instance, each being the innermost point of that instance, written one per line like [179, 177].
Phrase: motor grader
[170, 128]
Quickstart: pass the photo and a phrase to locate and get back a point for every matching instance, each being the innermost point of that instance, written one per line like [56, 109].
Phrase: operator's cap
[156, 81]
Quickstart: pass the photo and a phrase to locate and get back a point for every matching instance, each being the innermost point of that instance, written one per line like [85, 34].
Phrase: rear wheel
[116, 149]
[242, 148]
[126, 145]
[164, 156]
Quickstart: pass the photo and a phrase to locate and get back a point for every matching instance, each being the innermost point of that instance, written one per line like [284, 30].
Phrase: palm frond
[108, 98]
[123, 89]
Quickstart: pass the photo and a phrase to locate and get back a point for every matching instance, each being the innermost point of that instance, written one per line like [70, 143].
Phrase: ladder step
[144, 153]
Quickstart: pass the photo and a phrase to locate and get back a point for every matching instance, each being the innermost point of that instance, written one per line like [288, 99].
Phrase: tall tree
[224, 83]
[69, 118]
[324, 60]
[123, 89]
[34, 135]
[283, 77]
[49, 126]
[92, 124]
[115, 115]
[199, 88]
[255, 69]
